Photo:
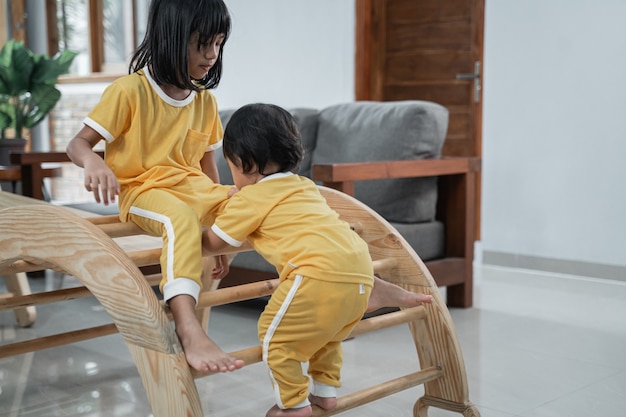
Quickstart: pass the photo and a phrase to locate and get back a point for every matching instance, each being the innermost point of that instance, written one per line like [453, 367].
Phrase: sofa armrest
[342, 176]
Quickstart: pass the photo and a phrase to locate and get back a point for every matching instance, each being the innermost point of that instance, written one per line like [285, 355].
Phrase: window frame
[95, 10]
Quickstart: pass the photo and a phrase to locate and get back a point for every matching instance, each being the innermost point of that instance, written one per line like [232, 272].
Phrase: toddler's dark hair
[258, 134]
[170, 26]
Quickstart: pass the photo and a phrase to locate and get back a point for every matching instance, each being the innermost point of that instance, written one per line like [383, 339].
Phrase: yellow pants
[306, 320]
[177, 215]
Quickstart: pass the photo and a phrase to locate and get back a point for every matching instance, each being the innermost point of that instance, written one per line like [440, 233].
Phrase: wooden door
[427, 50]
[18, 20]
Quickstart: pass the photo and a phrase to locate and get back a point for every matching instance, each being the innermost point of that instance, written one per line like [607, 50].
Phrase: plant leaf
[43, 99]
[47, 70]
[17, 64]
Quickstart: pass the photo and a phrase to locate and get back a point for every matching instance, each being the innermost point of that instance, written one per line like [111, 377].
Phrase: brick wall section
[66, 119]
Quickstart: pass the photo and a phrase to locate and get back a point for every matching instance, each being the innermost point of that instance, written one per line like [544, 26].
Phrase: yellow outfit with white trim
[154, 145]
[326, 277]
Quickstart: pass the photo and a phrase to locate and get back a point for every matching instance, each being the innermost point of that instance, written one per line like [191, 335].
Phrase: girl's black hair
[259, 134]
[170, 26]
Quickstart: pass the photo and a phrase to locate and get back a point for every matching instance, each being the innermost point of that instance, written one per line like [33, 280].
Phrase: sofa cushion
[382, 131]
[307, 120]
[427, 239]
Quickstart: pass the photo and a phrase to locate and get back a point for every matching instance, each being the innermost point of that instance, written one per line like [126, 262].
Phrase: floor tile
[535, 345]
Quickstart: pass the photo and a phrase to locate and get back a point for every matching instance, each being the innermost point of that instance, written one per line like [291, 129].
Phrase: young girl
[325, 268]
[161, 127]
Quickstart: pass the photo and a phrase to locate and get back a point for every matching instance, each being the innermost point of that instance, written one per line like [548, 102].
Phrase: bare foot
[386, 294]
[205, 356]
[289, 412]
[327, 403]
[202, 353]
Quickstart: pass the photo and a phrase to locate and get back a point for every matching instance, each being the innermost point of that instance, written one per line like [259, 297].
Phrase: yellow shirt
[289, 223]
[154, 141]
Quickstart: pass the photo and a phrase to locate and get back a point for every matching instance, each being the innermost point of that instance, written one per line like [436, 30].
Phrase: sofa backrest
[365, 131]
[381, 131]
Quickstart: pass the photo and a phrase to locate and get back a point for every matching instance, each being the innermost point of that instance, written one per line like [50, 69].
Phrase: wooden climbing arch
[85, 249]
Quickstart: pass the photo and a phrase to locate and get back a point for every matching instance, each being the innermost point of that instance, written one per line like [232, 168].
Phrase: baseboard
[586, 269]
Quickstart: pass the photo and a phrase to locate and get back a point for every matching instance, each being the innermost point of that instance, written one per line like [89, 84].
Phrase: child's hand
[232, 191]
[221, 268]
[100, 180]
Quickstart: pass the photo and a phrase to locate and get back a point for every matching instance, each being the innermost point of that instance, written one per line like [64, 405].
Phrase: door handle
[475, 76]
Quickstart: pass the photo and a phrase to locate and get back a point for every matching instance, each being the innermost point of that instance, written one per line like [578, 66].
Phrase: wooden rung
[121, 229]
[237, 293]
[357, 227]
[388, 320]
[56, 296]
[384, 265]
[376, 392]
[145, 257]
[98, 220]
[24, 266]
[139, 257]
[56, 340]
[250, 355]
[253, 354]
[44, 298]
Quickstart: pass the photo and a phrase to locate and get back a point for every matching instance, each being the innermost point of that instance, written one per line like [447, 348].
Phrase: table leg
[17, 284]
[32, 181]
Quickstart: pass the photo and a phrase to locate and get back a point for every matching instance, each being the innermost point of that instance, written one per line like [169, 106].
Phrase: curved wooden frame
[84, 250]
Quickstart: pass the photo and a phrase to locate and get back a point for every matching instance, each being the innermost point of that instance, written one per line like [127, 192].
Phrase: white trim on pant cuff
[324, 390]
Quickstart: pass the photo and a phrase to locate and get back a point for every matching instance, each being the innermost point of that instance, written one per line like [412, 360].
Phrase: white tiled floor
[535, 345]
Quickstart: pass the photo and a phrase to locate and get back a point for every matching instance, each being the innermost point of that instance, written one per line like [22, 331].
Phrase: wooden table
[13, 173]
[33, 172]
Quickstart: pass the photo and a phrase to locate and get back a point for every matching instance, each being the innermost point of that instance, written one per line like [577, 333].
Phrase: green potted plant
[27, 91]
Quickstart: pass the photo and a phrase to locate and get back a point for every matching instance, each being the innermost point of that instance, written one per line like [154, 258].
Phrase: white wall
[554, 109]
[289, 52]
[554, 131]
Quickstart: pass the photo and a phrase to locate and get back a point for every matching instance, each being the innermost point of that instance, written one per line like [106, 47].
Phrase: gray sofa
[393, 156]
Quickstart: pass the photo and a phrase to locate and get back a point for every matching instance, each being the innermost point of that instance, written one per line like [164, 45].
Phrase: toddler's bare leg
[386, 294]
[289, 412]
[201, 352]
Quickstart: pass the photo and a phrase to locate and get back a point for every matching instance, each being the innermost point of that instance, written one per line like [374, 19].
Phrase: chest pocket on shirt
[195, 146]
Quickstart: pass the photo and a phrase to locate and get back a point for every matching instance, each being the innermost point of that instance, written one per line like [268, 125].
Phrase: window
[115, 28]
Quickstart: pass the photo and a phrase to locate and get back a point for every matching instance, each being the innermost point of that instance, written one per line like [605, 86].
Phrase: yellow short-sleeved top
[288, 222]
[153, 140]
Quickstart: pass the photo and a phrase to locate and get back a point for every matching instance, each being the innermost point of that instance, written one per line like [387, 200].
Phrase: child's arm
[222, 264]
[210, 167]
[212, 243]
[99, 178]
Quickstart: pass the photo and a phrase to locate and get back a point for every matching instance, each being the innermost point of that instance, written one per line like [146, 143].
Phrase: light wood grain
[111, 274]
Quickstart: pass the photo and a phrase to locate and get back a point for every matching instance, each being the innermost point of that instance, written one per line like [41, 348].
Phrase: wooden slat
[376, 392]
[388, 320]
[384, 265]
[394, 169]
[56, 340]
[237, 293]
[66, 294]
[139, 257]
